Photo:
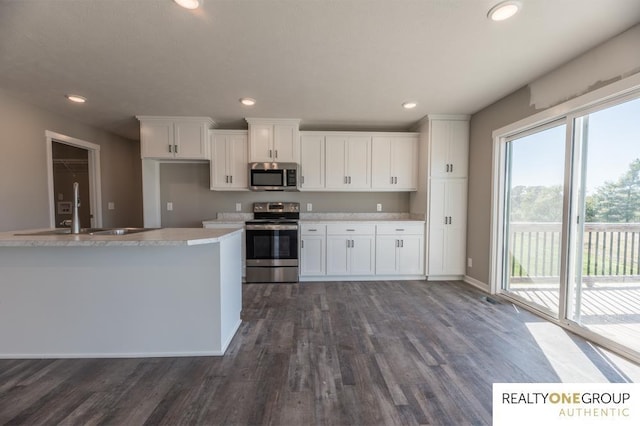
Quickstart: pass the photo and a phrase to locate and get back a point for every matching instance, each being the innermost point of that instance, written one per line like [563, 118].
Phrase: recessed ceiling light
[188, 4]
[247, 101]
[409, 105]
[504, 10]
[76, 98]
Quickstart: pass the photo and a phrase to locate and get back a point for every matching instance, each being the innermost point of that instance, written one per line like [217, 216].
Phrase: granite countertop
[155, 237]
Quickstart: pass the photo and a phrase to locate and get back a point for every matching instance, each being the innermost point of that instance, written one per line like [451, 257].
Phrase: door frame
[95, 186]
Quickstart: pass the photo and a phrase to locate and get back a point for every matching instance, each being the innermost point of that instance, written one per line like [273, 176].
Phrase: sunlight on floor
[567, 359]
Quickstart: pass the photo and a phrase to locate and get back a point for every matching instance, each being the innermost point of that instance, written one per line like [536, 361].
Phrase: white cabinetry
[348, 162]
[272, 140]
[175, 137]
[313, 248]
[230, 225]
[447, 227]
[229, 160]
[394, 163]
[312, 162]
[400, 249]
[350, 249]
[449, 148]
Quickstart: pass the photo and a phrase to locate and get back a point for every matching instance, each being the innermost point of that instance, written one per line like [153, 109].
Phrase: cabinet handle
[231, 179]
[226, 179]
[397, 243]
[301, 244]
[450, 221]
[391, 180]
[446, 220]
[302, 179]
[345, 179]
[350, 230]
[170, 147]
[395, 180]
[401, 243]
[312, 230]
[353, 244]
[452, 168]
[348, 244]
[276, 153]
[270, 154]
[349, 180]
[400, 230]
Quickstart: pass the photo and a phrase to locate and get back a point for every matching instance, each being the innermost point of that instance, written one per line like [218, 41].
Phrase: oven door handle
[291, 227]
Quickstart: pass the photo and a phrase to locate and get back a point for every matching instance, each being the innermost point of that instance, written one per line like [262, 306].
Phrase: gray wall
[611, 61]
[186, 185]
[23, 168]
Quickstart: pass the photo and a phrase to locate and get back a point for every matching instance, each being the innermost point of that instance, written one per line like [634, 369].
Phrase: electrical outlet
[309, 207]
[379, 207]
[111, 205]
[238, 207]
[170, 206]
[469, 262]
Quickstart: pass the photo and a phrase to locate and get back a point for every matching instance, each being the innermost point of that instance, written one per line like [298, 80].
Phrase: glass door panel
[605, 292]
[533, 226]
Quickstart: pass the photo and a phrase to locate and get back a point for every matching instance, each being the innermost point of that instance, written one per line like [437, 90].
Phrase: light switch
[309, 207]
[238, 207]
[170, 206]
[379, 207]
[111, 205]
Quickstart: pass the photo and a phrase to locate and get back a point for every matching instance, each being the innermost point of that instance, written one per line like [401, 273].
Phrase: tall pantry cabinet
[447, 211]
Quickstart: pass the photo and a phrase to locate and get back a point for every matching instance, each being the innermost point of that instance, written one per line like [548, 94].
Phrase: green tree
[536, 203]
[617, 202]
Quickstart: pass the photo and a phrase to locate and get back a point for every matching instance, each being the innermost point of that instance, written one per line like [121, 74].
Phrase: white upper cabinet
[229, 165]
[449, 148]
[394, 163]
[175, 137]
[312, 162]
[272, 140]
[348, 162]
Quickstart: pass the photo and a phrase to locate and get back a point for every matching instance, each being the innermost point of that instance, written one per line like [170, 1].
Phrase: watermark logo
[566, 404]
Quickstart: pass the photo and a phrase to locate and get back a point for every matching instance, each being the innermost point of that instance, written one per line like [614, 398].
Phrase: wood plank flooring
[363, 353]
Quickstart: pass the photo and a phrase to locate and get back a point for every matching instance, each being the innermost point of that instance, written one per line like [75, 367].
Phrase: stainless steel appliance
[272, 243]
[273, 176]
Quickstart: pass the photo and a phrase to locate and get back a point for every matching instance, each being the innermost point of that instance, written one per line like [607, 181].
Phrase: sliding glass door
[535, 172]
[570, 221]
[605, 284]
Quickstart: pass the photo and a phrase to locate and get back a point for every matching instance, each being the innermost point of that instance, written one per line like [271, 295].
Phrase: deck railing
[610, 250]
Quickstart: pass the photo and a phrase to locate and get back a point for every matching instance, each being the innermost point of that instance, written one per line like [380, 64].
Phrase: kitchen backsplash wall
[186, 185]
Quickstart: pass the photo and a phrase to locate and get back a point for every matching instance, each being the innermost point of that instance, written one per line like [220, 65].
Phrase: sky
[614, 142]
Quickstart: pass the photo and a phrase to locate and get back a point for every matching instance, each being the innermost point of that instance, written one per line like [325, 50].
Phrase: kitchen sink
[88, 231]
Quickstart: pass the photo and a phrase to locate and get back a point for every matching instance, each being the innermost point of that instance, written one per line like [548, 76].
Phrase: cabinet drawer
[350, 229]
[313, 229]
[400, 228]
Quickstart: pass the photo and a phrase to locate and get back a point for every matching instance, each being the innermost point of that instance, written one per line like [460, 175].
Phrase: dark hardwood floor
[362, 353]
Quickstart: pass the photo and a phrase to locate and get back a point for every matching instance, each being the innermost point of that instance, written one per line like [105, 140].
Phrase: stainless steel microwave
[273, 176]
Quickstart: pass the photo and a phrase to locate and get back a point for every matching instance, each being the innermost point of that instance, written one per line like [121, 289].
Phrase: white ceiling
[346, 64]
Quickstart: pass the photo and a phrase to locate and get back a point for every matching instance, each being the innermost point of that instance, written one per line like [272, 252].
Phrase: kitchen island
[164, 292]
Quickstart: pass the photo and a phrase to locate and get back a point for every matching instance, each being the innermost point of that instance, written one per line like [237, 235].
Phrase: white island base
[113, 300]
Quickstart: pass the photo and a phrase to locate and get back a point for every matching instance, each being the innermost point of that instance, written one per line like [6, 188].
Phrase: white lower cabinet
[313, 246]
[447, 229]
[231, 225]
[350, 249]
[400, 249]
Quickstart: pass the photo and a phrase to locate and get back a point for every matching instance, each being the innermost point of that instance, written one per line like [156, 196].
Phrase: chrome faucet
[75, 217]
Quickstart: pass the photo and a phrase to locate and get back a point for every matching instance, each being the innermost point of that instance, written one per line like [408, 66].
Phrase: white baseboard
[325, 278]
[476, 283]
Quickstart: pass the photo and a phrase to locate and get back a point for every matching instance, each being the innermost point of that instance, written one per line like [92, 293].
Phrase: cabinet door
[359, 162]
[381, 159]
[261, 143]
[458, 148]
[285, 143]
[386, 247]
[237, 163]
[218, 166]
[410, 255]
[456, 210]
[312, 162]
[337, 255]
[362, 255]
[404, 157]
[335, 165]
[437, 224]
[312, 252]
[439, 148]
[157, 139]
[191, 140]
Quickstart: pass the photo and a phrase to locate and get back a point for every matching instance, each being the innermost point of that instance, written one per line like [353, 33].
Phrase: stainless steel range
[272, 243]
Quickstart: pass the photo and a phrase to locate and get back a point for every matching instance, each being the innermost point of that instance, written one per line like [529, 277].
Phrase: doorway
[73, 160]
